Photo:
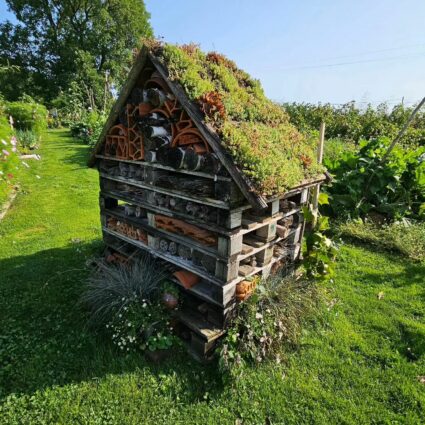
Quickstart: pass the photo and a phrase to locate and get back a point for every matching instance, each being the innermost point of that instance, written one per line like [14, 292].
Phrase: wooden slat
[164, 167]
[184, 264]
[199, 325]
[168, 213]
[180, 239]
[172, 192]
[297, 189]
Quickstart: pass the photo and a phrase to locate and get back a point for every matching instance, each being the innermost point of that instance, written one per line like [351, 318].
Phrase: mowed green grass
[358, 362]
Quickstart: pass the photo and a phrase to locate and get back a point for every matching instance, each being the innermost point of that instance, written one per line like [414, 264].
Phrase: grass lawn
[357, 364]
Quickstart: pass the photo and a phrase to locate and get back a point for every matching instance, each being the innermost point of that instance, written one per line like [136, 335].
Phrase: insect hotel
[198, 168]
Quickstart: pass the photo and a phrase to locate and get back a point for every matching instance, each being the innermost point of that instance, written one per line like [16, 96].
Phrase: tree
[55, 43]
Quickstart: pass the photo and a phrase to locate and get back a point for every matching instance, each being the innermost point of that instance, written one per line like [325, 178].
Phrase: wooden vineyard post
[316, 190]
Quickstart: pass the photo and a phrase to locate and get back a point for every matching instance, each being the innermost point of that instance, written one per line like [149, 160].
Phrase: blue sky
[309, 50]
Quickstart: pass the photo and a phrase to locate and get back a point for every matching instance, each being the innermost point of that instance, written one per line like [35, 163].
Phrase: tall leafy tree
[57, 43]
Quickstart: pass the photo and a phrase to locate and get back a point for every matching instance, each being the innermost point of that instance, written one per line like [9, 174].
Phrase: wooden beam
[316, 190]
[121, 101]
[212, 138]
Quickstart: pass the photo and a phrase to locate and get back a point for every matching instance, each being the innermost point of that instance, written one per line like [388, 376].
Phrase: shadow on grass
[44, 339]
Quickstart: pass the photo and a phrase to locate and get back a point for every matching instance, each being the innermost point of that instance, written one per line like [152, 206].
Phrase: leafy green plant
[364, 183]
[320, 251]
[28, 116]
[88, 129]
[170, 288]
[161, 342]
[27, 139]
[350, 123]
[268, 323]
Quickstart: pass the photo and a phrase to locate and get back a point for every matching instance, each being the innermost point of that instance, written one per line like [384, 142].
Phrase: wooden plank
[184, 264]
[220, 296]
[245, 270]
[199, 325]
[180, 239]
[171, 192]
[157, 209]
[138, 65]
[246, 250]
[212, 138]
[248, 224]
[166, 168]
[297, 189]
[269, 220]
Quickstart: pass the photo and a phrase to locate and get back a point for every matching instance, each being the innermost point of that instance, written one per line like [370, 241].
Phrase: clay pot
[186, 278]
[169, 301]
[144, 109]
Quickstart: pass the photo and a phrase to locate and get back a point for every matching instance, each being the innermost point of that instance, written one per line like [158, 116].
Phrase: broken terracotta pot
[186, 278]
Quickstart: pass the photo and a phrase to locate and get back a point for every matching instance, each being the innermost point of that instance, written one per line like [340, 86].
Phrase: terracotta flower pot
[186, 278]
[169, 301]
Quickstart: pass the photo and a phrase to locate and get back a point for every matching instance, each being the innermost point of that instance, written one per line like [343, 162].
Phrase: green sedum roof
[255, 131]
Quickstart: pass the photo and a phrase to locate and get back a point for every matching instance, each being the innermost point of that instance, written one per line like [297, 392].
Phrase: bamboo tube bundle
[184, 252]
[193, 161]
[156, 142]
[124, 169]
[163, 245]
[140, 212]
[172, 248]
[174, 157]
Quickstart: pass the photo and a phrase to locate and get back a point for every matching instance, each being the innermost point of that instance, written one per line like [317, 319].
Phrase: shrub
[6, 131]
[363, 183]
[27, 139]
[9, 163]
[406, 237]
[28, 116]
[335, 149]
[88, 129]
[268, 322]
[351, 123]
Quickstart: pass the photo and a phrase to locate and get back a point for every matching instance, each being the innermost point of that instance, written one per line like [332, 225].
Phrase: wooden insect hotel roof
[200, 170]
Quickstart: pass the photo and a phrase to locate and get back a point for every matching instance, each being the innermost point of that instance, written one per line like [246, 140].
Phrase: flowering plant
[141, 325]
[125, 299]
[9, 162]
